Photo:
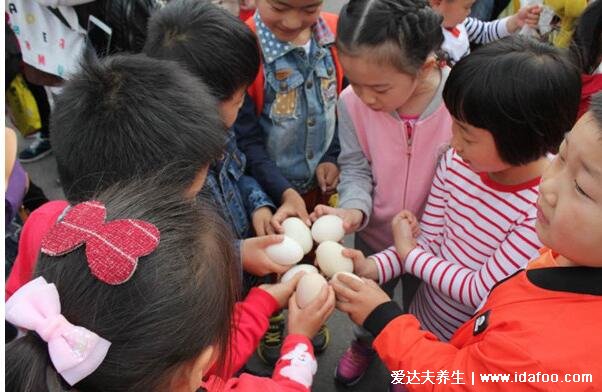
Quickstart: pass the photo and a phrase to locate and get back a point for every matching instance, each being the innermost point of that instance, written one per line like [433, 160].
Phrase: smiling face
[380, 86]
[569, 218]
[290, 20]
[477, 148]
[453, 11]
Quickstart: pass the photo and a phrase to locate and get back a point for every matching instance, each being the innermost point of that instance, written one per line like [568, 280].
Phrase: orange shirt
[546, 320]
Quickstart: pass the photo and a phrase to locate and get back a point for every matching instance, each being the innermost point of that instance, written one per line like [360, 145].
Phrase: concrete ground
[44, 174]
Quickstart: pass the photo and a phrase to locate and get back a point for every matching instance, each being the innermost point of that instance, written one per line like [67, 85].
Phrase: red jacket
[293, 372]
[591, 84]
[36, 226]
[542, 321]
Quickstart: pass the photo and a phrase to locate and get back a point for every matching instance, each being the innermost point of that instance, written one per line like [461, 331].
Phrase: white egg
[297, 230]
[287, 252]
[307, 268]
[330, 260]
[308, 288]
[328, 228]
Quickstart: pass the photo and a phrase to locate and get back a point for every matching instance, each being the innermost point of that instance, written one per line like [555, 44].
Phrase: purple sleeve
[17, 187]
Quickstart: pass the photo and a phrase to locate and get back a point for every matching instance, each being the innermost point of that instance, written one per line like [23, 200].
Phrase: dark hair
[586, 45]
[213, 44]
[524, 92]
[409, 30]
[128, 116]
[595, 107]
[178, 302]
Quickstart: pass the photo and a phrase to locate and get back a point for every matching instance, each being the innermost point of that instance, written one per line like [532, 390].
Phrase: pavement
[44, 174]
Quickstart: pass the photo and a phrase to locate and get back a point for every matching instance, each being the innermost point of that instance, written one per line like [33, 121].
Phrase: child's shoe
[271, 343]
[354, 363]
[321, 340]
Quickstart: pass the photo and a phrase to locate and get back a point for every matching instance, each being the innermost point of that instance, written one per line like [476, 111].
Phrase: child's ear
[189, 376]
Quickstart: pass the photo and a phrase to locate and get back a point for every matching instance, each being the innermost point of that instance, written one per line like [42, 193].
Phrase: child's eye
[580, 190]
[311, 10]
[381, 91]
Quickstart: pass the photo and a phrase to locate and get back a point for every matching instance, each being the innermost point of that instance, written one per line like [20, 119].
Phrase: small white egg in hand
[307, 268]
[309, 288]
[287, 252]
[328, 228]
[297, 230]
[330, 260]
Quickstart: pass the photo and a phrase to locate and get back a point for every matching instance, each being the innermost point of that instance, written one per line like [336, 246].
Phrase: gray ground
[44, 174]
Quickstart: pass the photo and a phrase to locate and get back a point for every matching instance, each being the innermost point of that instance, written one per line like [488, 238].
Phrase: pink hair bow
[112, 248]
[74, 351]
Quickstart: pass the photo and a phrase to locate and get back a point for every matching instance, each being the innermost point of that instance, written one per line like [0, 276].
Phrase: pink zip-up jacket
[383, 170]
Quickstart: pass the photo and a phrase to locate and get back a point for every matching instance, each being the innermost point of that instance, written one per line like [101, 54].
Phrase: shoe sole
[347, 384]
[36, 158]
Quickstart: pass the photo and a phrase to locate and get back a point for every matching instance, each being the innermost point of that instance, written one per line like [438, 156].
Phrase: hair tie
[74, 351]
[112, 249]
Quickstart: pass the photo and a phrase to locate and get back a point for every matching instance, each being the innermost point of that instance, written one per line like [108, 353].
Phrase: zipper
[408, 136]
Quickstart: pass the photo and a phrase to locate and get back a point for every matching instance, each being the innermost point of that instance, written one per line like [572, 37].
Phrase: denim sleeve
[253, 195]
[332, 154]
[250, 141]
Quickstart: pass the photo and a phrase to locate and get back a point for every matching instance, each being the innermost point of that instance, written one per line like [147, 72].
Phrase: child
[460, 30]
[478, 226]
[122, 118]
[155, 319]
[586, 52]
[192, 33]
[540, 324]
[393, 126]
[287, 129]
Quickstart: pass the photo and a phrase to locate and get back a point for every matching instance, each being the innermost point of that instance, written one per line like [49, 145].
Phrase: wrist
[512, 24]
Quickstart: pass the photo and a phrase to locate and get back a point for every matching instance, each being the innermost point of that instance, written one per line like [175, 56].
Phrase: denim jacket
[298, 117]
[236, 195]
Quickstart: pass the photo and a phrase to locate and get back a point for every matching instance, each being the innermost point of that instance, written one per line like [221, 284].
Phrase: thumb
[267, 240]
[406, 229]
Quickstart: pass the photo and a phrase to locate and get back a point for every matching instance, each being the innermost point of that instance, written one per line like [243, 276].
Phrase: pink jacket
[382, 171]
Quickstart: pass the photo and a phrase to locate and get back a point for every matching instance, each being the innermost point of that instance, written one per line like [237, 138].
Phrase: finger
[292, 304]
[320, 210]
[276, 221]
[343, 291]
[344, 307]
[292, 282]
[353, 254]
[350, 282]
[267, 240]
[304, 216]
[316, 304]
[269, 230]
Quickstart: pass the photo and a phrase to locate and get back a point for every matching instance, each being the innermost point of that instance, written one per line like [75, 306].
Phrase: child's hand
[357, 299]
[254, 259]
[307, 321]
[403, 235]
[411, 218]
[352, 218]
[327, 174]
[292, 205]
[528, 15]
[261, 221]
[283, 291]
[362, 266]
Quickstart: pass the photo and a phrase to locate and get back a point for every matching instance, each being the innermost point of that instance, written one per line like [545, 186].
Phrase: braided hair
[410, 29]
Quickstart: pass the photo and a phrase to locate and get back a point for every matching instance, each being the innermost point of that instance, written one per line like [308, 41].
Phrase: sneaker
[37, 150]
[271, 343]
[353, 364]
[321, 340]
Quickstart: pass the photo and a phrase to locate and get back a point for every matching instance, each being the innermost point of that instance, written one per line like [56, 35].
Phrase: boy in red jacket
[539, 329]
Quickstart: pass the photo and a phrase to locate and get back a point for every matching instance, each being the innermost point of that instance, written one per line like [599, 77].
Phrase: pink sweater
[397, 172]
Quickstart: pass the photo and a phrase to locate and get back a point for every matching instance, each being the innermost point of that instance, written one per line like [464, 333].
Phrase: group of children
[180, 164]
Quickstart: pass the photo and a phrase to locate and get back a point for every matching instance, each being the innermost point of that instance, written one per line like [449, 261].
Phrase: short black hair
[127, 116]
[524, 92]
[405, 32]
[211, 43]
[586, 45]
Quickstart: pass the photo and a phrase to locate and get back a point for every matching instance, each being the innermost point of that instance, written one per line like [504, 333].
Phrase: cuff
[503, 27]
[357, 204]
[262, 300]
[381, 316]
[292, 340]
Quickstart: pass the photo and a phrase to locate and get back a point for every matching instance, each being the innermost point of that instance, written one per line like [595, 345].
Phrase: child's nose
[292, 21]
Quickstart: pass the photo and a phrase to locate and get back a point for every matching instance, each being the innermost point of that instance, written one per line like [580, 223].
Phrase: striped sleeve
[469, 286]
[480, 32]
[389, 264]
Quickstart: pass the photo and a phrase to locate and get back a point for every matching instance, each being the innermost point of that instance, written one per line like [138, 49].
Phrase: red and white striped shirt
[474, 233]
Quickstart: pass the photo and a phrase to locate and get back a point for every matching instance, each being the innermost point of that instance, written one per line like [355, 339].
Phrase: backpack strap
[256, 89]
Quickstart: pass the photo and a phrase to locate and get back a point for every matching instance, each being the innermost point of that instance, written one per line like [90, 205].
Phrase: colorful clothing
[543, 320]
[457, 40]
[474, 233]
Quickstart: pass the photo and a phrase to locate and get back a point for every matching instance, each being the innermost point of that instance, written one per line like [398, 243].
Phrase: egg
[308, 288]
[330, 260]
[328, 228]
[287, 252]
[307, 268]
[297, 230]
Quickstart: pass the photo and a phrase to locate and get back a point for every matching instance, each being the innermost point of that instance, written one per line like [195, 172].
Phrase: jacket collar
[578, 280]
